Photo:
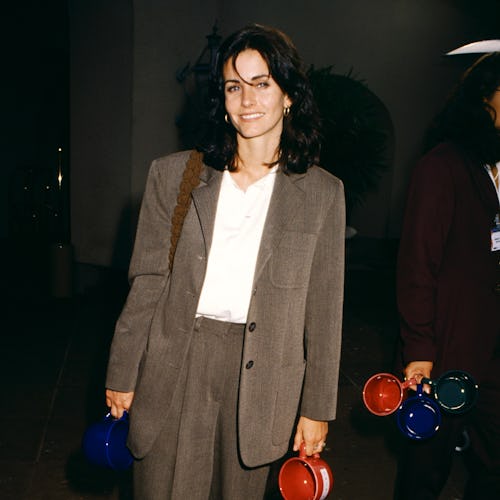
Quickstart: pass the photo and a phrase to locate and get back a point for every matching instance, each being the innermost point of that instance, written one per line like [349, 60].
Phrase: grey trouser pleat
[196, 456]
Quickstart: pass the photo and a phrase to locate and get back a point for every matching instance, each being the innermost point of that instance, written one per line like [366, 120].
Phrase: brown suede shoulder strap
[190, 179]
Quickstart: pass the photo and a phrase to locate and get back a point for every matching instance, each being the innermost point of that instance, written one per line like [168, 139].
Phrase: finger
[127, 403]
[116, 409]
[119, 411]
[318, 447]
[314, 446]
[310, 449]
[109, 398]
[297, 441]
[419, 377]
[426, 388]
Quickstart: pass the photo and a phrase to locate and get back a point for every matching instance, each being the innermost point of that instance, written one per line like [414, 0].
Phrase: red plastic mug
[383, 393]
[305, 478]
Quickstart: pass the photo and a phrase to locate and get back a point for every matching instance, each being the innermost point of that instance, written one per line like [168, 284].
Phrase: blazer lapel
[205, 198]
[287, 197]
[484, 187]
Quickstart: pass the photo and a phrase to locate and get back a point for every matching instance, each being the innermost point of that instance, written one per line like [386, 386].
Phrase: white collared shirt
[239, 223]
[496, 181]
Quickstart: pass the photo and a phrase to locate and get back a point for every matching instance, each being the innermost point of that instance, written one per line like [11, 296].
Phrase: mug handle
[407, 383]
[108, 416]
[420, 389]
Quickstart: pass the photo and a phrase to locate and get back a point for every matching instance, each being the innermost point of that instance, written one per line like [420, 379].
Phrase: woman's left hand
[312, 433]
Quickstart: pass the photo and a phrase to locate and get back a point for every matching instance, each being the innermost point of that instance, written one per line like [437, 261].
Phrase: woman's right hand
[118, 402]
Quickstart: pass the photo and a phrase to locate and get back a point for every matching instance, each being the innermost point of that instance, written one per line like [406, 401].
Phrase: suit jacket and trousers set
[209, 394]
[449, 301]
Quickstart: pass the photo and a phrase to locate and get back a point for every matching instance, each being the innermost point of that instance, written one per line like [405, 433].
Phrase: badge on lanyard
[495, 234]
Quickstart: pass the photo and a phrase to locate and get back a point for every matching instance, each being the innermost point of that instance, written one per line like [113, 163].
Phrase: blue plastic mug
[104, 443]
[419, 416]
[455, 391]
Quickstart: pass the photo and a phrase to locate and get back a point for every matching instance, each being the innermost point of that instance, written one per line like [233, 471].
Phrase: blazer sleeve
[426, 226]
[323, 320]
[148, 274]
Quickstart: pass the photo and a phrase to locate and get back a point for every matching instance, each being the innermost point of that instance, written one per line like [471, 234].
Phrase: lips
[251, 116]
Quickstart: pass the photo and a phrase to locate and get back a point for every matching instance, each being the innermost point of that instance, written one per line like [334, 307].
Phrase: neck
[252, 163]
[256, 155]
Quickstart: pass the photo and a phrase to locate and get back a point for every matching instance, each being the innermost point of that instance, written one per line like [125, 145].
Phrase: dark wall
[35, 114]
[101, 129]
[124, 95]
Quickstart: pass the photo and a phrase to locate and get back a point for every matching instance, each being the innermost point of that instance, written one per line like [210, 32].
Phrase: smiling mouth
[251, 116]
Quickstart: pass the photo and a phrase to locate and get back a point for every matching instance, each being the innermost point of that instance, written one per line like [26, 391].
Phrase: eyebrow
[254, 78]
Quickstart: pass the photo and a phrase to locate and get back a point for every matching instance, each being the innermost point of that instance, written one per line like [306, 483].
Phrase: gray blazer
[295, 310]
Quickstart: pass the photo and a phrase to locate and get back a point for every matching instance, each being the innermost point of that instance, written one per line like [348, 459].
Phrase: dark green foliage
[357, 132]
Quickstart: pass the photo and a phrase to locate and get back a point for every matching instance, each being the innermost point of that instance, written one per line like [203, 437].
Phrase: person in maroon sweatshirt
[449, 284]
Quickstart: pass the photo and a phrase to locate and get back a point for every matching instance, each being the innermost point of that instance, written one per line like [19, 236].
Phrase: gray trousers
[196, 455]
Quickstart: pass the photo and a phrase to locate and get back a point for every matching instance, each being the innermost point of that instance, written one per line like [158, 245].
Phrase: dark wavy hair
[300, 138]
[467, 119]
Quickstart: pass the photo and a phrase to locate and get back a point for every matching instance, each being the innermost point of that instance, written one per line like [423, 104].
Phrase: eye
[262, 85]
[230, 89]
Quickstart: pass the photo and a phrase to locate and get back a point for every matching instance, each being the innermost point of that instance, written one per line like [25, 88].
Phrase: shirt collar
[262, 183]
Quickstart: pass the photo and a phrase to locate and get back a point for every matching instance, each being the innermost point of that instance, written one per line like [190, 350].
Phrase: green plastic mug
[455, 391]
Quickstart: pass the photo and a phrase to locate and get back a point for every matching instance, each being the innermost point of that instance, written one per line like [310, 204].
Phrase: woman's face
[253, 100]
[494, 102]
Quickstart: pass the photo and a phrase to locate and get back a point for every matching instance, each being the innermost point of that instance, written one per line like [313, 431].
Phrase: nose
[247, 96]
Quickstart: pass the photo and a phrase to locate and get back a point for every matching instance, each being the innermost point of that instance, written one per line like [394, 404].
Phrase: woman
[449, 283]
[235, 350]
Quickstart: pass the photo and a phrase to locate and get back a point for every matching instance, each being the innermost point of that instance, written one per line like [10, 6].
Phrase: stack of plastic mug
[419, 416]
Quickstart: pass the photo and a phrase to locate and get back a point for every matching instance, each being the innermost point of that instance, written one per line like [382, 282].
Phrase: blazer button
[249, 365]
[252, 326]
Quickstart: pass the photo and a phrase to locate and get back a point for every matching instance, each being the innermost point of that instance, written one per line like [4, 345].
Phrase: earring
[226, 118]
[286, 111]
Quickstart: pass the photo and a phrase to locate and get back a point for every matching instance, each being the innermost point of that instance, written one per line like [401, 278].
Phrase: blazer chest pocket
[291, 260]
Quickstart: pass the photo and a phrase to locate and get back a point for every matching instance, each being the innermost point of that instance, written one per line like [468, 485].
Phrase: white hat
[482, 47]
